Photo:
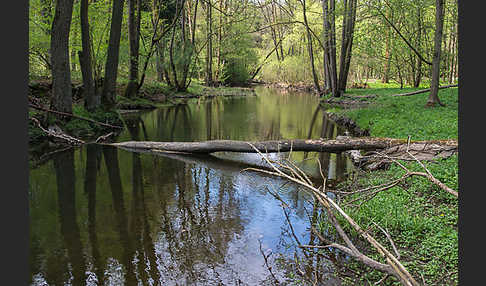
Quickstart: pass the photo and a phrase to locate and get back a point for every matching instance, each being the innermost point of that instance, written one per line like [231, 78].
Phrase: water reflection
[64, 166]
[177, 220]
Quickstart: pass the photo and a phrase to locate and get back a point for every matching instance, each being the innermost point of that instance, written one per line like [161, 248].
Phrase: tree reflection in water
[160, 220]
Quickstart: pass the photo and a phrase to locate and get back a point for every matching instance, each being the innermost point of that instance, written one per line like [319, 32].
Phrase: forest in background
[232, 42]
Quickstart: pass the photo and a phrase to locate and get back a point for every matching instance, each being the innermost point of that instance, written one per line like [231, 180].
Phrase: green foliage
[239, 56]
[398, 117]
[83, 128]
[421, 218]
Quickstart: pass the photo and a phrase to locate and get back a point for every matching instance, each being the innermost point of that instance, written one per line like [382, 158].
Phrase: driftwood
[392, 266]
[423, 90]
[56, 132]
[425, 150]
[74, 116]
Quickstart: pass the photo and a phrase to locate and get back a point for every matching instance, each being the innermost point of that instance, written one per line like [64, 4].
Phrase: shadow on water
[182, 220]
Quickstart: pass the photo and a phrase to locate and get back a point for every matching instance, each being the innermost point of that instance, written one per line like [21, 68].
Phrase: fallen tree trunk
[423, 90]
[340, 144]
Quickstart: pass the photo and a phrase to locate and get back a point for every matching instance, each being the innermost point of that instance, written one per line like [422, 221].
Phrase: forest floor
[421, 218]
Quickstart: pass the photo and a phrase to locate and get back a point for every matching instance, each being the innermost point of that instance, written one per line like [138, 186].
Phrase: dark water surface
[102, 216]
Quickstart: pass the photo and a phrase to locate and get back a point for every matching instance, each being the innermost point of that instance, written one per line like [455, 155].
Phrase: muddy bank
[299, 87]
[349, 124]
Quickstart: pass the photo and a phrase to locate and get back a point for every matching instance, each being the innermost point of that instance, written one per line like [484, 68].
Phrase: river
[102, 216]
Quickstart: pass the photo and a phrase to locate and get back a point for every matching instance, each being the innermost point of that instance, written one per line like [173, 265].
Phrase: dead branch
[103, 137]
[265, 257]
[393, 266]
[58, 134]
[74, 116]
[423, 90]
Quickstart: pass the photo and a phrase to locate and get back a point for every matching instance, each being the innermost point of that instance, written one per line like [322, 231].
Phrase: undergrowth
[420, 217]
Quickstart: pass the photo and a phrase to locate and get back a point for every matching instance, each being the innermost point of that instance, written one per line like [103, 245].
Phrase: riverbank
[152, 95]
[420, 217]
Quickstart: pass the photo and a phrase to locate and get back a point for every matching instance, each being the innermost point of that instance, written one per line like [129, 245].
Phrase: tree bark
[434, 85]
[340, 144]
[134, 40]
[108, 98]
[386, 67]
[91, 98]
[346, 44]
[61, 99]
[328, 8]
[209, 46]
[310, 50]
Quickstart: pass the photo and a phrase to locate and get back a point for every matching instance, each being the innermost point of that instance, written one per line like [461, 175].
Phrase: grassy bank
[420, 217]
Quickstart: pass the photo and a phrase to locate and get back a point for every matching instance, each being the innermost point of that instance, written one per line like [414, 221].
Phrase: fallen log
[340, 144]
[423, 90]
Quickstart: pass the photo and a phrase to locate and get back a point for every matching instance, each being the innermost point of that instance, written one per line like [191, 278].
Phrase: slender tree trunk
[310, 50]
[91, 98]
[418, 75]
[347, 43]
[158, 62]
[158, 46]
[434, 85]
[330, 43]
[108, 98]
[220, 34]
[134, 40]
[209, 46]
[171, 59]
[386, 67]
[453, 57]
[61, 99]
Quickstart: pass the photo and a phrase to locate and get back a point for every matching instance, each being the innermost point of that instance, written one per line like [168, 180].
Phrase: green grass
[420, 217]
[398, 117]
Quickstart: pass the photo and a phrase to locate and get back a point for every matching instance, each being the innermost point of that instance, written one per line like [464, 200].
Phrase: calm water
[102, 216]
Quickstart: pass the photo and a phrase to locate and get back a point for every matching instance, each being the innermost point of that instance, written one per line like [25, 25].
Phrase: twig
[265, 257]
[390, 239]
[63, 136]
[103, 137]
[74, 116]
[393, 266]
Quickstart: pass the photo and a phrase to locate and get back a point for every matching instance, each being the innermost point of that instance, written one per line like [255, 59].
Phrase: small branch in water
[265, 257]
[393, 266]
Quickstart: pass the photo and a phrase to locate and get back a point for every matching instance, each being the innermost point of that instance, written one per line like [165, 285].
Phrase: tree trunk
[330, 44]
[108, 98]
[386, 67]
[209, 46]
[434, 85]
[346, 44]
[61, 99]
[310, 50]
[418, 68]
[134, 39]
[340, 144]
[91, 98]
